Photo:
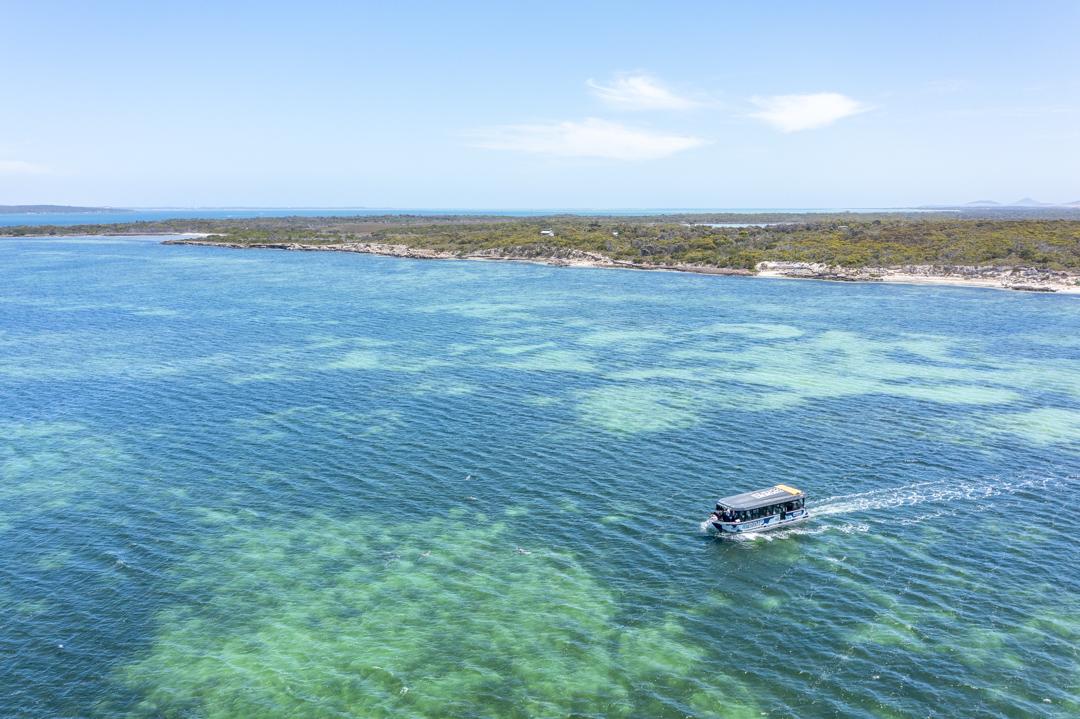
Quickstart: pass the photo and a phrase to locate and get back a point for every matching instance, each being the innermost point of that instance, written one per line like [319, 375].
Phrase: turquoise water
[272, 484]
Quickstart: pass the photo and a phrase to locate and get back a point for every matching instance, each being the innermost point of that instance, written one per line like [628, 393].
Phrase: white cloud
[589, 138]
[640, 92]
[788, 113]
[18, 167]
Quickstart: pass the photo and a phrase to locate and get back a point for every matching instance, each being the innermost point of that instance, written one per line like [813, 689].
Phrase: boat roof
[761, 497]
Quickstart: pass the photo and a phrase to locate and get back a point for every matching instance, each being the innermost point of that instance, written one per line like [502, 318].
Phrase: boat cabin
[772, 501]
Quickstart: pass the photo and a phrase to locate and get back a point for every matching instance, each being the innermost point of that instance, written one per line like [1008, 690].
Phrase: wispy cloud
[640, 92]
[789, 113]
[18, 167]
[589, 138]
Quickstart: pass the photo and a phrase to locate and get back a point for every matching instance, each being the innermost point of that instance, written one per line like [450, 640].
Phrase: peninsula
[1034, 250]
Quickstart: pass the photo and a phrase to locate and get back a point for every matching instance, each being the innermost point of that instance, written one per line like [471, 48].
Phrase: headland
[1028, 250]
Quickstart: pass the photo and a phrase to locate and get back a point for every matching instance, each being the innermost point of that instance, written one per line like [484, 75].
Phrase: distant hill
[53, 209]
[1026, 202]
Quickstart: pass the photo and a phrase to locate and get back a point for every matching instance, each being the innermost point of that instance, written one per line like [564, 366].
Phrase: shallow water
[271, 484]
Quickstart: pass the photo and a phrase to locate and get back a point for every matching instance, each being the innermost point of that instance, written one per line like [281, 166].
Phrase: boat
[758, 511]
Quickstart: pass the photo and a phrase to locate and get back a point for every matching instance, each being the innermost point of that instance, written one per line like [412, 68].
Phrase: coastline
[1024, 279]
[1029, 279]
[559, 258]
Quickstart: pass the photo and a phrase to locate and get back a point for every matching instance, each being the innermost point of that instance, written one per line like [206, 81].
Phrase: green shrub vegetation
[1046, 243]
[845, 240]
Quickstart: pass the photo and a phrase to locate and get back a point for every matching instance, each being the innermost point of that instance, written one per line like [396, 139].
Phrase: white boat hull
[756, 525]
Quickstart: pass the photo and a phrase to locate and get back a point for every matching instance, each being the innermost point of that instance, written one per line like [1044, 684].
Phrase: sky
[529, 105]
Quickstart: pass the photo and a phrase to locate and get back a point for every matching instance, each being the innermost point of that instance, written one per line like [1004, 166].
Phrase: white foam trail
[937, 492]
[846, 528]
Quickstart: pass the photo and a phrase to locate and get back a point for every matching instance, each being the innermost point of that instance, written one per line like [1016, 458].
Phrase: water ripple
[253, 484]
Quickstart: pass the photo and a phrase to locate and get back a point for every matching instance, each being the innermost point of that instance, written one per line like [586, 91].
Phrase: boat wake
[805, 528]
[940, 492]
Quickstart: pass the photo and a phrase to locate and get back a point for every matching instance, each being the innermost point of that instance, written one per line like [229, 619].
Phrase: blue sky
[539, 105]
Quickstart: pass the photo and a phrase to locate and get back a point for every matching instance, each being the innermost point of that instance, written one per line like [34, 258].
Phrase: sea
[253, 483]
[156, 214]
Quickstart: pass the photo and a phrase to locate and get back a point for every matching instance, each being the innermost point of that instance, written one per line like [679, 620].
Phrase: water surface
[272, 484]
[145, 214]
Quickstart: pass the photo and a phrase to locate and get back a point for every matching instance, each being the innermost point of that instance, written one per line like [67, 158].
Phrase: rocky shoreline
[555, 257]
[1029, 279]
